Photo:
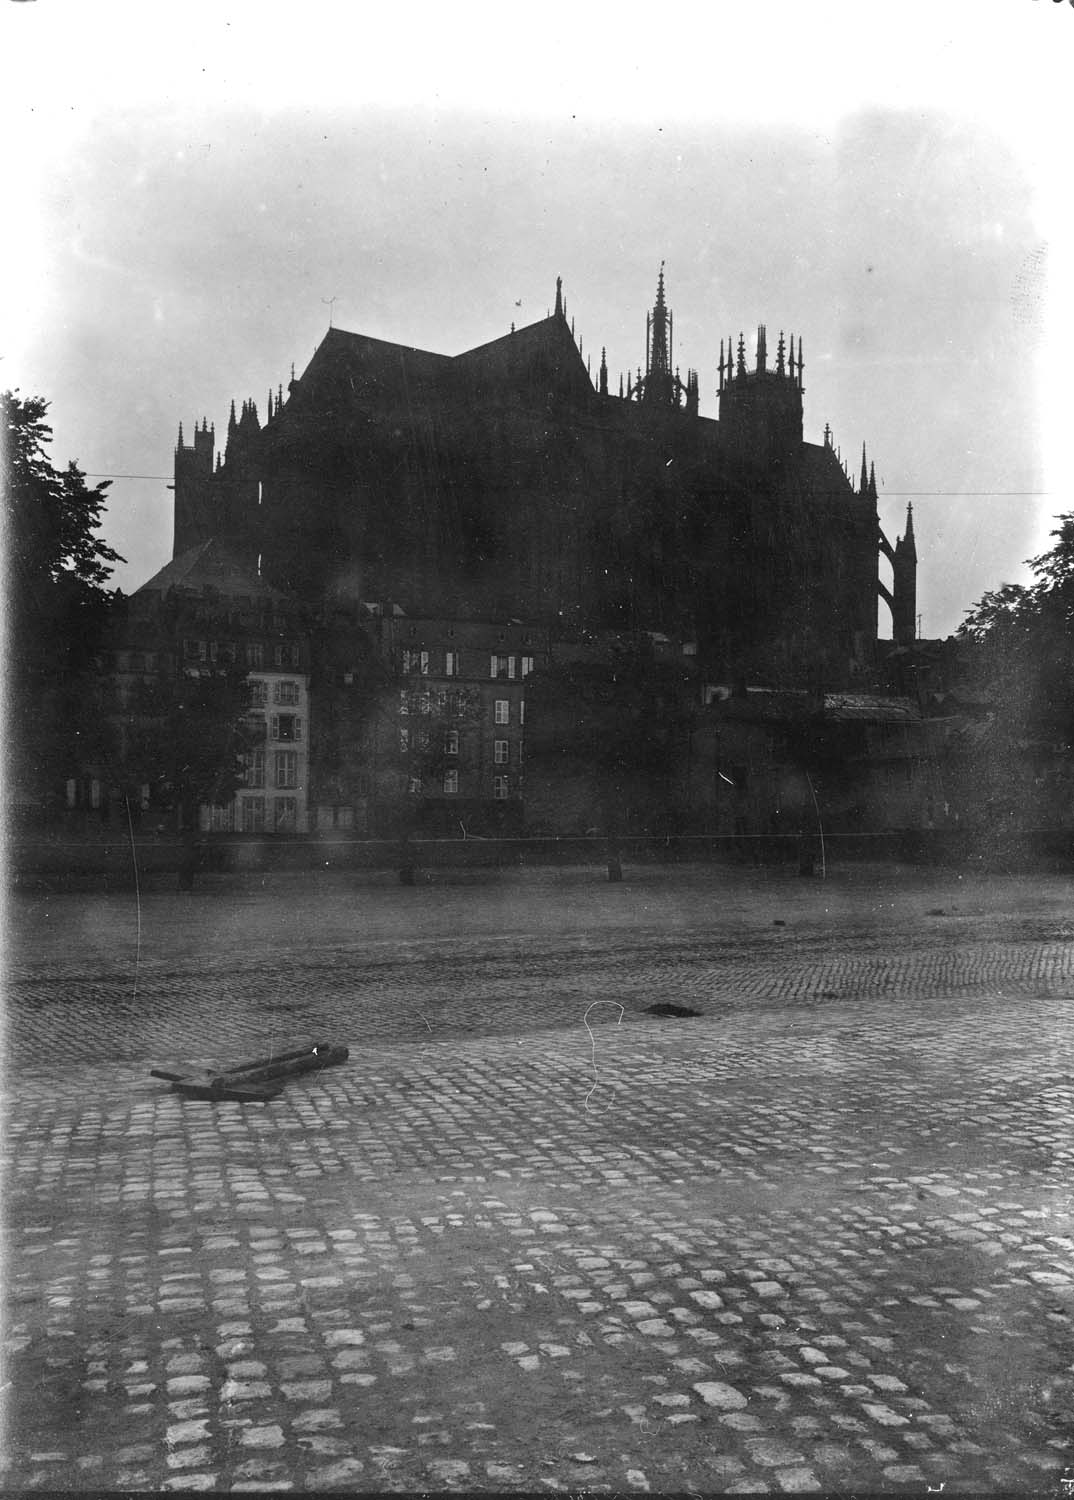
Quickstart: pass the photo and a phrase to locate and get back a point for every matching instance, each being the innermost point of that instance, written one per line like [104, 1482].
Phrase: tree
[1024, 640]
[1021, 642]
[186, 737]
[58, 605]
[616, 733]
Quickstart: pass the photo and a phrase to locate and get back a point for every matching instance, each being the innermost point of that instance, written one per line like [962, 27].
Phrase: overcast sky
[196, 186]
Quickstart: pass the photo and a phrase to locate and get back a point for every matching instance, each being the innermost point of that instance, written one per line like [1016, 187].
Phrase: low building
[201, 613]
[450, 742]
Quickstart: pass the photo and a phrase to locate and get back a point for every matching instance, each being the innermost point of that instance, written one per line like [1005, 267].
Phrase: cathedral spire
[603, 372]
[872, 480]
[762, 349]
[658, 385]
[864, 472]
[781, 368]
[908, 539]
[559, 297]
[741, 355]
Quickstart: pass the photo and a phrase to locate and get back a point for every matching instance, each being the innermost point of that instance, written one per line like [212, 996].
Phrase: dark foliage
[58, 605]
[185, 737]
[1024, 635]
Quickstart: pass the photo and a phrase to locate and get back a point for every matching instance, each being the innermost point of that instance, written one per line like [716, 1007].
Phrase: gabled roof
[210, 565]
[356, 367]
[544, 351]
[354, 370]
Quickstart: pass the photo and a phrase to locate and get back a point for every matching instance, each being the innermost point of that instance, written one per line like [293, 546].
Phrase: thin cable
[593, 1040]
[820, 826]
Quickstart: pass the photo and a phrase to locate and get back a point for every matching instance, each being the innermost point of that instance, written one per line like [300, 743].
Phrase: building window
[502, 712]
[499, 788]
[285, 654]
[222, 819]
[451, 781]
[499, 752]
[253, 814]
[285, 692]
[345, 817]
[502, 666]
[414, 786]
[286, 814]
[451, 742]
[521, 711]
[287, 768]
[255, 768]
[258, 693]
[193, 650]
[287, 727]
[416, 661]
[404, 739]
[256, 727]
[404, 702]
[527, 666]
[451, 664]
[222, 652]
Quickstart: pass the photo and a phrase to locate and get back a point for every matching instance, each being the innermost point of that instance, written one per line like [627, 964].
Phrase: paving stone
[787, 1207]
[717, 1393]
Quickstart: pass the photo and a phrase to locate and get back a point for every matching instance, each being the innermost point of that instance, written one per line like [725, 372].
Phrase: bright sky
[194, 188]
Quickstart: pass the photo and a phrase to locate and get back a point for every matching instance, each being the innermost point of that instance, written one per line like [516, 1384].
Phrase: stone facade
[504, 483]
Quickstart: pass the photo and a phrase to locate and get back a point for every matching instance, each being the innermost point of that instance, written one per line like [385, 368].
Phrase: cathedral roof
[353, 368]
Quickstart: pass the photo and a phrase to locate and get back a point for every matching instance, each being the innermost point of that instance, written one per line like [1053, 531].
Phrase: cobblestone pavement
[819, 1236]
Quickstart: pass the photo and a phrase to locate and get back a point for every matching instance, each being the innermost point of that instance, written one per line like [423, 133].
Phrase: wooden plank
[219, 1089]
[289, 1064]
[261, 1079]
